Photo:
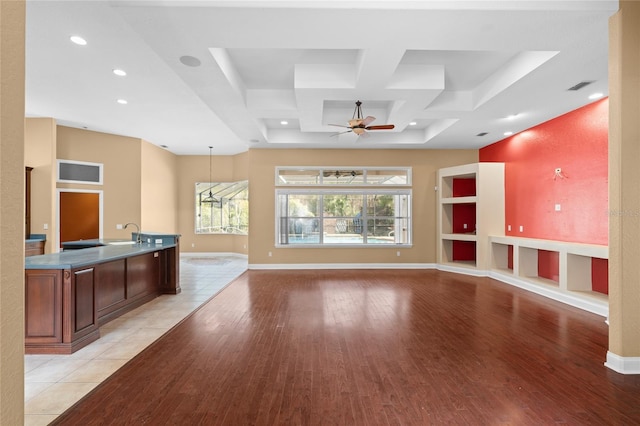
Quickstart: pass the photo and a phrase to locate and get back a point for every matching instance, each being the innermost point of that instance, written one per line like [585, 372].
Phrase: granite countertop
[36, 237]
[90, 256]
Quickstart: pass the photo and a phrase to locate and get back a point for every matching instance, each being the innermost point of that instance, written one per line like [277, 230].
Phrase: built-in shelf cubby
[471, 240]
[581, 270]
[470, 207]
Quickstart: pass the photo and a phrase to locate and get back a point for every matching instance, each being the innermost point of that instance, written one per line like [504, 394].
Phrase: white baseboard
[599, 308]
[623, 365]
[213, 254]
[462, 270]
[342, 266]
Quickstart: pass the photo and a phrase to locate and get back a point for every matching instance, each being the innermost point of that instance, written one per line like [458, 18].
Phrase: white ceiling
[455, 68]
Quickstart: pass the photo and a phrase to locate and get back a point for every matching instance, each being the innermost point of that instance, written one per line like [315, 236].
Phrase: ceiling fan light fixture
[360, 125]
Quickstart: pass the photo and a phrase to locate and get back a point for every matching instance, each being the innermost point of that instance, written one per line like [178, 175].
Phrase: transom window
[352, 176]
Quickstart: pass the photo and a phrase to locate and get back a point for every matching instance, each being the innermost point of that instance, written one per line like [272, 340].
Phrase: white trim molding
[594, 306]
[462, 270]
[212, 254]
[623, 365]
[342, 266]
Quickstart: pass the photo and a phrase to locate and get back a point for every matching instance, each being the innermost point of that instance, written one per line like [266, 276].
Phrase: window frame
[330, 170]
[364, 192]
[225, 186]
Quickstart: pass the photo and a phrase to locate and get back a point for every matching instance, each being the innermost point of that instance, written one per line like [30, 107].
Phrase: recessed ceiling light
[595, 95]
[284, 122]
[413, 123]
[508, 133]
[78, 40]
[122, 101]
[119, 72]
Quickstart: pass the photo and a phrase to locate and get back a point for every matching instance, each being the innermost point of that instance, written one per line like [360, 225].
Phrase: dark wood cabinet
[33, 248]
[66, 307]
[43, 307]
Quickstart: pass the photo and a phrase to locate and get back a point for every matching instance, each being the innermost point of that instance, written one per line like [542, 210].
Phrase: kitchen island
[69, 295]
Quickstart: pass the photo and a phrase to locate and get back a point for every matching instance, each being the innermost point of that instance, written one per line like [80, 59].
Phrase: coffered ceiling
[228, 74]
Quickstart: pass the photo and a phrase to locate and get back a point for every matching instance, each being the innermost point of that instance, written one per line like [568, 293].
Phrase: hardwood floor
[370, 347]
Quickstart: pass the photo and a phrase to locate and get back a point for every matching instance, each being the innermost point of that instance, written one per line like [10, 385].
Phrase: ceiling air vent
[580, 85]
[482, 134]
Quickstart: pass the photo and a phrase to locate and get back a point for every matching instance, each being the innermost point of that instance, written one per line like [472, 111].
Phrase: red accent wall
[463, 214]
[549, 265]
[576, 142]
[600, 275]
[463, 187]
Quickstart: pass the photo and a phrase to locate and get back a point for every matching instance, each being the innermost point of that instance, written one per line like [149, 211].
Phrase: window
[329, 217]
[70, 171]
[338, 176]
[222, 207]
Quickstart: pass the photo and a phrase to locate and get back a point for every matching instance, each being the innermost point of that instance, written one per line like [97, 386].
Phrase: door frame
[100, 193]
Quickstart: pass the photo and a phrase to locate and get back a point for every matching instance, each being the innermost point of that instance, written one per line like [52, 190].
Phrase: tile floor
[53, 383]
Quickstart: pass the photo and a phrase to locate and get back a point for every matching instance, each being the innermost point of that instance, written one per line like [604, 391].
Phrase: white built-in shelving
[512, 260]
[574, 285]
[488, 202]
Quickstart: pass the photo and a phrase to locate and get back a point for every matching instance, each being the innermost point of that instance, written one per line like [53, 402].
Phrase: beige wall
[195, 168]
[121, 157]
[159, 190]
[12, 36]
[624, 175]
[424, 163]
[139, 179]
[40, 153]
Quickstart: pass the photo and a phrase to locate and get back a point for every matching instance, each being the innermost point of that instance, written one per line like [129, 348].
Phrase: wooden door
[79, 216]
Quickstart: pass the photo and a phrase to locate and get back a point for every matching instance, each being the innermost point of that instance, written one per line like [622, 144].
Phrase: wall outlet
[508, 227]
[464, 226]
[521, 228]
[558, 207]
[45, 226]
[398, 253]
[269, 254]
[193, 245]
[119, 226]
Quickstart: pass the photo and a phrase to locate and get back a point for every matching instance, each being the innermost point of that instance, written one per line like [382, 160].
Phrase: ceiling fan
[341, 173]
[359, 125]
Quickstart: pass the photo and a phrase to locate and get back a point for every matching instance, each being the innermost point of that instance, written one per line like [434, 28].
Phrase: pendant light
[210, 198]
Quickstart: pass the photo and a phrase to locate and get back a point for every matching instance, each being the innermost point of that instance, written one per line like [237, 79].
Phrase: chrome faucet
[138, 236]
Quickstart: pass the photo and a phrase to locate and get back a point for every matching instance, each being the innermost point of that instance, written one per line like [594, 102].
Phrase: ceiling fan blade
[363, 135]
[341, 133]
[381, 127]
[368, 120]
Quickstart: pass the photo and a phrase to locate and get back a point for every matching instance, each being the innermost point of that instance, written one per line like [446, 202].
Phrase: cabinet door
[111, 289]
[43, 306]
[143, 275]
[84, 318]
